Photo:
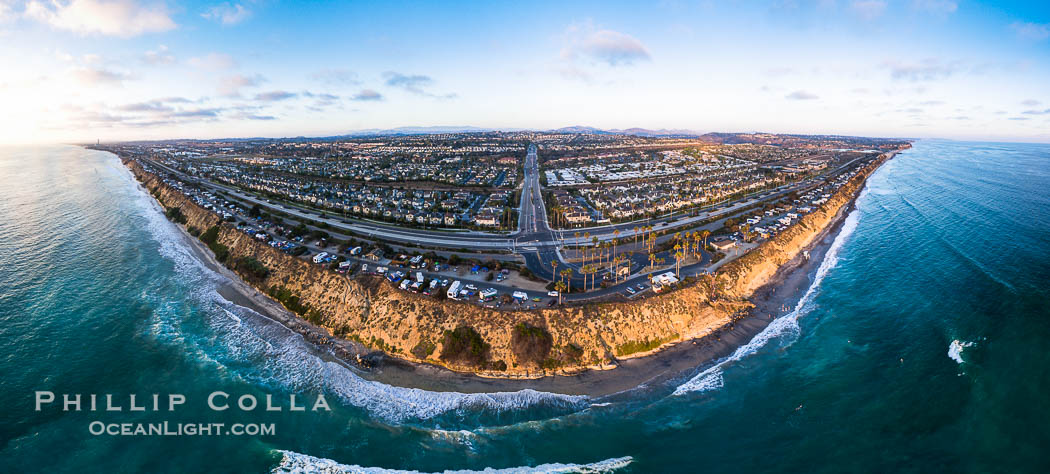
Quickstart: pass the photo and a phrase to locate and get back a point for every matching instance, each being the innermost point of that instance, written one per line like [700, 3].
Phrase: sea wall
[414, 327]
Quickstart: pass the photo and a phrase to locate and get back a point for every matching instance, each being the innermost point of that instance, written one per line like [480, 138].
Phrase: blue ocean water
[921, 346]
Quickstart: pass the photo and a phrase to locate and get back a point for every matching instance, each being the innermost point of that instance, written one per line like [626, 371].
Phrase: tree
[560, 286]
[678, 255]
[554, 272]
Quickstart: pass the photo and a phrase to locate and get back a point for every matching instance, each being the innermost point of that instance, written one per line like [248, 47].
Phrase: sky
[81, 70]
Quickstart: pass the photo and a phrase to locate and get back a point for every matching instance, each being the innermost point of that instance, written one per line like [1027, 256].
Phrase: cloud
[197, 113]
[1030, 102]
[6, 11]
[367, 95]
[213, 62]
[227, 13]
[925, 70]
[1018, 118]
[336, 77]
[274, 96]
[778, 71]
[158, 56]
[942, 7]
[602, 46]
[247, 116]
[230, 86]
[124, 18]
[1037, 112]
[414, 83]
[868, 9]
[151, 106]
[156, 106]
[323, 99]
[1031, 31]
[613, 48]
[94, 76]
[801, 95]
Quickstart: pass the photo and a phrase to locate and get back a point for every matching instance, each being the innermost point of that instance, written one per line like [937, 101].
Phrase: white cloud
[925, 70]
[213, 62]
[1031, 31]
[158, 56]
[367, 95]
[227, 13]
[414, 83]
[124, 18]
[802, 95]
[6, 11]
[231, 86]
[274, 96]
[869, 9]
[603, 46]
[94, 76]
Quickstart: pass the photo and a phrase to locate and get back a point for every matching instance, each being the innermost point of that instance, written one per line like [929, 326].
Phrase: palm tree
[567, 274]
[554, 272]
[636, 235]
[576, 251]
[560, 286]
[678, 255]
[586, 237]
[705, 234]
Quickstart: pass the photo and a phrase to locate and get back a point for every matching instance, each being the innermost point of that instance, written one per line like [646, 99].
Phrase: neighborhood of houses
[455, 182]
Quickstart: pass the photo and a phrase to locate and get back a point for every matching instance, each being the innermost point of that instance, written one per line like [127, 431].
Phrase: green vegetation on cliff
[175, 215]
[251, 269]
[464, 346]
[631, 347]
[294, 304]
[530, 344]
[211, 238]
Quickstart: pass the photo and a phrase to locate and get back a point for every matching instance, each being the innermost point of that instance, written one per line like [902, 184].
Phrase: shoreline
[665, 363]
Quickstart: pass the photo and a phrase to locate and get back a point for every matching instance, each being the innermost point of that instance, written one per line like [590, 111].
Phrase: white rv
[453, 291]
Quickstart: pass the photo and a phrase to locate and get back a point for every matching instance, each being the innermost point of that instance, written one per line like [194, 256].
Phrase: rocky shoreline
[706, 340]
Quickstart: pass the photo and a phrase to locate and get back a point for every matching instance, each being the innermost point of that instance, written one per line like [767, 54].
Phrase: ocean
[921, 345]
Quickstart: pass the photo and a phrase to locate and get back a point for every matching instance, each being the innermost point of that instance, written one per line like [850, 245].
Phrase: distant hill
[641, 132]
[426, 130]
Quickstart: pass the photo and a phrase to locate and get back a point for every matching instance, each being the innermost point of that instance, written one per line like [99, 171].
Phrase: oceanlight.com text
[163, 428]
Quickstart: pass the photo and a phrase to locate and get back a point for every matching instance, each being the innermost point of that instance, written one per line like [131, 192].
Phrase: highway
[534, 240]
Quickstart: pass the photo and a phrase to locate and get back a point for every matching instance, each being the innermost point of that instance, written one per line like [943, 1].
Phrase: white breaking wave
[955, 350]
[267, 353]
[786, 325]
[297, 463]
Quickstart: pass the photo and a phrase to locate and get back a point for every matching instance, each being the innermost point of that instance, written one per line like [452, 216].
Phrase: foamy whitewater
[295, 463]
[281, 356]
[784, 328]
[947, 248]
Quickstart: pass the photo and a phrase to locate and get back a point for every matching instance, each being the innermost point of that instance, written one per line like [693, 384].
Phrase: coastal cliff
[466, 337]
